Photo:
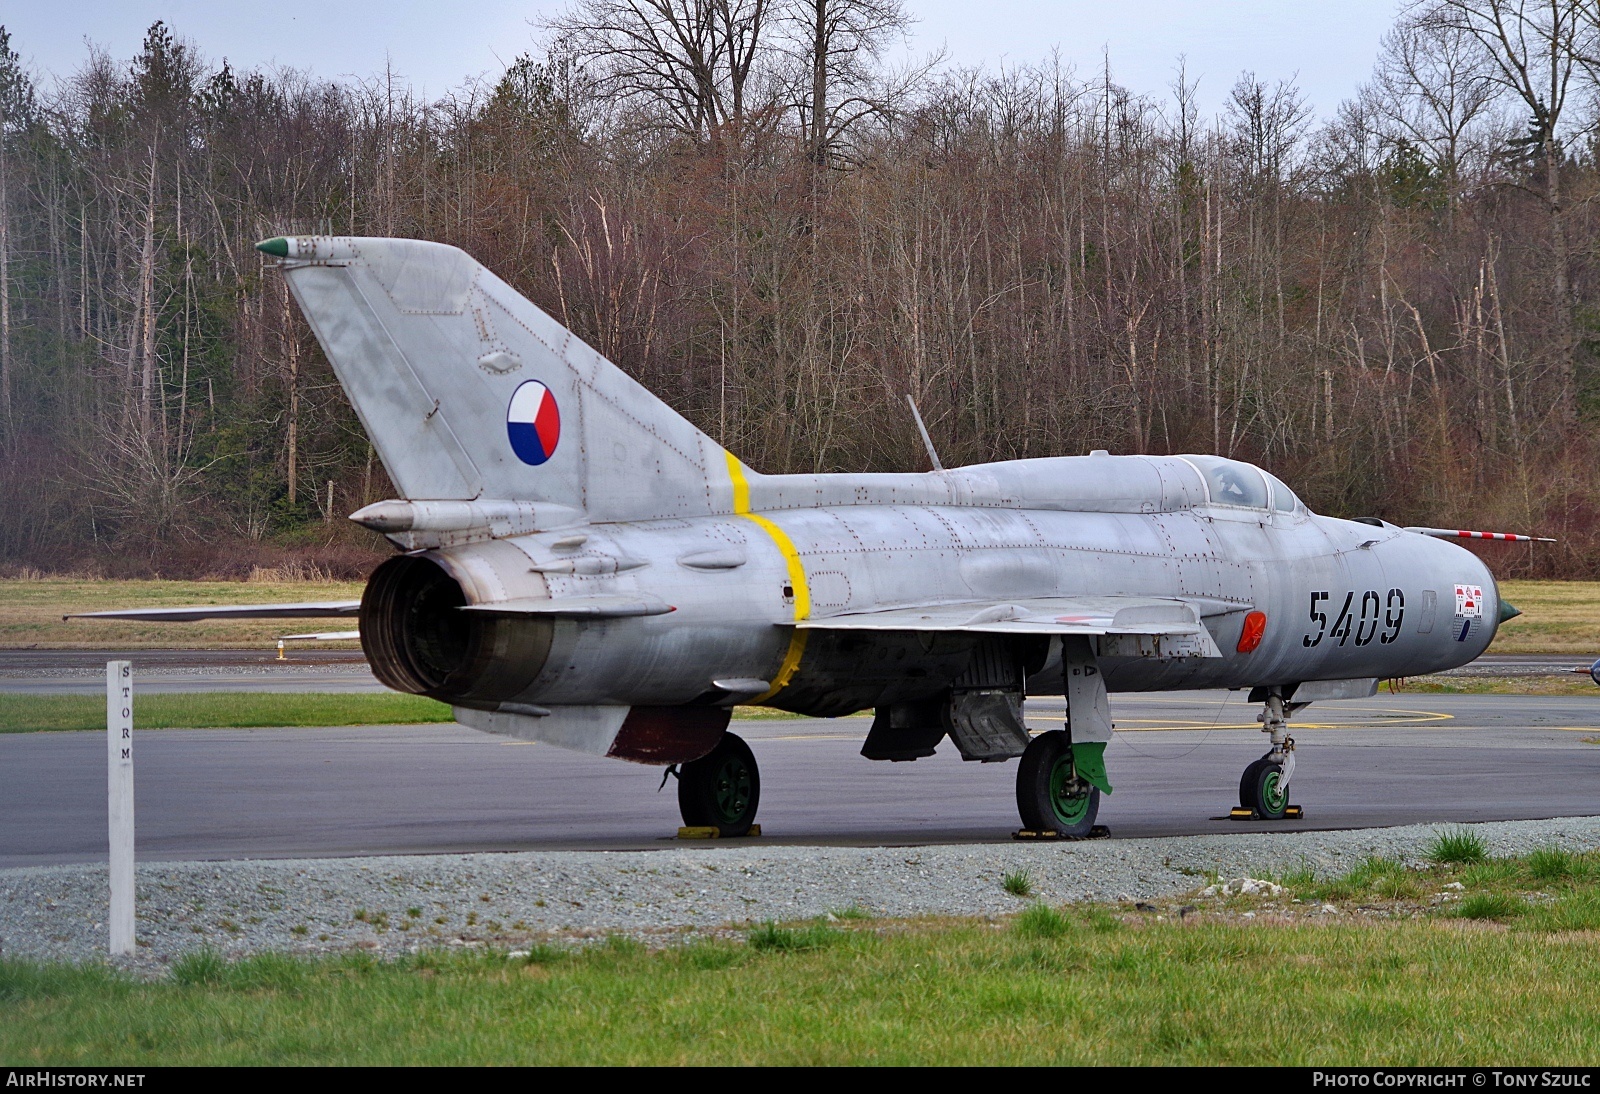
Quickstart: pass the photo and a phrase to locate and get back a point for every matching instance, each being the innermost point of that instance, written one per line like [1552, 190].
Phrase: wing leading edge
[603, 607]
[325, 609]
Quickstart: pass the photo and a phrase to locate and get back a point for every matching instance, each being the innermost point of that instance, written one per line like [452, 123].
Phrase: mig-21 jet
[578, 564]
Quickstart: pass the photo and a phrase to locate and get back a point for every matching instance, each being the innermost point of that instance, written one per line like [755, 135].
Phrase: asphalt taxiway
[1175, 763]
[82, 672]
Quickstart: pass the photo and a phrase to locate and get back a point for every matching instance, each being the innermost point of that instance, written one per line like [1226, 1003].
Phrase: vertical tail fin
[468, 390]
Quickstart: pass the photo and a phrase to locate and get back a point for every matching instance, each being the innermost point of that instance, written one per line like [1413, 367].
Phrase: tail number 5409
[1372, 616]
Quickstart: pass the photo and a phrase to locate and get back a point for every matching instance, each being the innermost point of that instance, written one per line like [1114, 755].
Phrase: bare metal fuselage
[1342, 599]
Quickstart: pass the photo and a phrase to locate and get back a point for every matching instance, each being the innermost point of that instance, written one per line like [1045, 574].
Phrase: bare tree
[1051, 263]
[1268, 123]
[16, 117]
[1433, 83]
[840, 46]
[1532, 50]
[692, 63]
[1267, 126]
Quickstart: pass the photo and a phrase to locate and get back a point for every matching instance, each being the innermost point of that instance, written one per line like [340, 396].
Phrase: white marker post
[119, 799]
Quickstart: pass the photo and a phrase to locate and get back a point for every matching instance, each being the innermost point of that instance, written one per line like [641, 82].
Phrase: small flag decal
[533, 423]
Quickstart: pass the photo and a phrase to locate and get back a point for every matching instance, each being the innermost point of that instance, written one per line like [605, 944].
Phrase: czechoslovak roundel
[533, 423]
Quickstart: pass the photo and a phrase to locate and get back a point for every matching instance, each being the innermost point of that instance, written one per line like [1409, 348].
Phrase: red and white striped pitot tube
[1460, 533]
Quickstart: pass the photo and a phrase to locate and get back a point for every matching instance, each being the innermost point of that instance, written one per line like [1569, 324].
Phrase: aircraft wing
[575, 606]
[325, 609]
[1178, 622]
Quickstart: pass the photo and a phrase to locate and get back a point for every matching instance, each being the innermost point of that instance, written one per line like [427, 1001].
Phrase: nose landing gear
[1264, 786]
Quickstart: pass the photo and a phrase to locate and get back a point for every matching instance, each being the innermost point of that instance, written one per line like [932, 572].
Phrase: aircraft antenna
[927, 441]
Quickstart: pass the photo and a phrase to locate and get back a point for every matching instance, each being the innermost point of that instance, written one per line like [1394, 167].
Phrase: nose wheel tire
[721, 789]
[1050, 798]
[1259, 790]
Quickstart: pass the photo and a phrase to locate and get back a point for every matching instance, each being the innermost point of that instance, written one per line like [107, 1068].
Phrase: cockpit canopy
[1103, 483]
[1229, 482]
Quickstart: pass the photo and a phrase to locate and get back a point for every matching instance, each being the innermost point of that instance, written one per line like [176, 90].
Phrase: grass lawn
[1577, 684]
[218, 710]
[1469, 961]
[1557, 617]
[31, 611]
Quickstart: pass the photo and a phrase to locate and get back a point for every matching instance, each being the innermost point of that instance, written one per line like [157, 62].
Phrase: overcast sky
[1328, 45]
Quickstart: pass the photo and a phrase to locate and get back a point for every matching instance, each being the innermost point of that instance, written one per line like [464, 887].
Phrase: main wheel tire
[1044, 784]
[721, 789]
[1248, 783]
[1259, 790]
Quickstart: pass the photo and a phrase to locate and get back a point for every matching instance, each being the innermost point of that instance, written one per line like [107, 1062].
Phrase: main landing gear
[1051, 795]
[1063, 772]
[721, 789]
[1264, 786]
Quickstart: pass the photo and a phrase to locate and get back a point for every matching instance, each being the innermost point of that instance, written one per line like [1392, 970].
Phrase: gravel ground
[398, 903]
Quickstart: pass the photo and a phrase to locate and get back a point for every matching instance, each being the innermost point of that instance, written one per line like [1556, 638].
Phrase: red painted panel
[669, 735]
[1255, 627]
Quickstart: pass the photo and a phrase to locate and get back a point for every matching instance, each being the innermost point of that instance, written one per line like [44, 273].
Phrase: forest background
[751, 209]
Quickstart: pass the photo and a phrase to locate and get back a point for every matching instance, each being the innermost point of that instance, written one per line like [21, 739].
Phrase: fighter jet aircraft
[580, 565]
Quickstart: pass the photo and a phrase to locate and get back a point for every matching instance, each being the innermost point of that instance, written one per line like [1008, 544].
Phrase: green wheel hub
[1068, 802]
[1273, 797]
[731, 788]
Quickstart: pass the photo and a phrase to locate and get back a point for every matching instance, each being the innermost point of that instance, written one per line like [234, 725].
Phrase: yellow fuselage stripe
[796, 571]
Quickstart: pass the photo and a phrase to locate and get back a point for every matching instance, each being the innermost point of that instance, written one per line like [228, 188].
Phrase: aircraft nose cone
[1508, 610]
[277, 247]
